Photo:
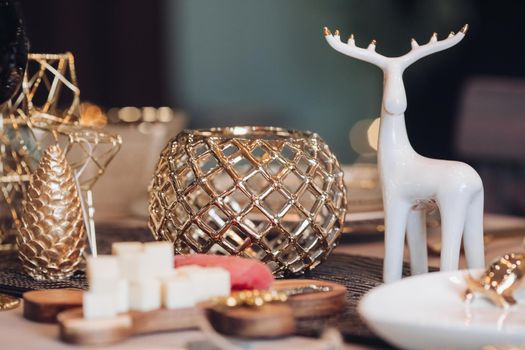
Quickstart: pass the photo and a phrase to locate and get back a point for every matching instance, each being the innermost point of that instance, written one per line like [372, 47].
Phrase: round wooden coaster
[75, 329]
[267, 321]
[311, 305]
[44, 305]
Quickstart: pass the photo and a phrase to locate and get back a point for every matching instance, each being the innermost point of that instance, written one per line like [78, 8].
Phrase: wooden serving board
[77, 330]
[267, 321]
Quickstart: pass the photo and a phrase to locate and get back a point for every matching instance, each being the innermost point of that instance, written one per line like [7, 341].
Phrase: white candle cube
[98, 305]
[136, 267]
[144, 295]
[161, 257]
[198, 279]
[119, 248]
[219, 282]
[103, 273]
[122, 296]
[178, 292]
[208, 282]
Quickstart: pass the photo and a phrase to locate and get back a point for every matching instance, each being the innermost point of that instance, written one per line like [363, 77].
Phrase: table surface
[17, 333]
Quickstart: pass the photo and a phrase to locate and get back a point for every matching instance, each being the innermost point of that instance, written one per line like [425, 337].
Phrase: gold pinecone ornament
[51, 240]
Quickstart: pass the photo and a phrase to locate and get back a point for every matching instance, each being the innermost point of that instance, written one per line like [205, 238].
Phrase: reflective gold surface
[251, 298]
[46, 112]
[51, 239]
[499, 281]
[267, 193]
[8, 302]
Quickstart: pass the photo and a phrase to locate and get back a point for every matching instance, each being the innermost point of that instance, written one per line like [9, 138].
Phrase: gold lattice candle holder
[260, 192]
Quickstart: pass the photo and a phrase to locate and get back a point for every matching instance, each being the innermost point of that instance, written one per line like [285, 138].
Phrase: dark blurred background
[238, 62]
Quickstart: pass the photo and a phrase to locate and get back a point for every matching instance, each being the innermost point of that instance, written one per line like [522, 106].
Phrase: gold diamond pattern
[265, 193]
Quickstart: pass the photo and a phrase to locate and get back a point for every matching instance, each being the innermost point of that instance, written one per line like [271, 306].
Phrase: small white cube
[198, 280]
[103, 273]
[98, 305]
[178, 292]
[219, 282]
[160, 255]
[208, 282]
[136, 267]
[122, 296]
[119, 248]
[144, 295]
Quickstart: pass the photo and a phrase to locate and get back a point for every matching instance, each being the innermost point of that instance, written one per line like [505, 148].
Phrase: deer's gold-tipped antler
[370, 55]
[433, 45]
[350, 49]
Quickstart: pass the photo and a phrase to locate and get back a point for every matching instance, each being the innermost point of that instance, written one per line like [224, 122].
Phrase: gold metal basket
[261, 192]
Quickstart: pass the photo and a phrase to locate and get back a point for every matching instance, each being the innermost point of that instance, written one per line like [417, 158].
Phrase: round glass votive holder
[267, 193]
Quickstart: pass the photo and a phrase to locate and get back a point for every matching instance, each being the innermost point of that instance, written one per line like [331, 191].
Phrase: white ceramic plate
[427, 312]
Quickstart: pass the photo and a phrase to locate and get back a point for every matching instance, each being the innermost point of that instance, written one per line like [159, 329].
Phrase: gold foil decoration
[266, 193]
[499, 281]
[251, 298]
[8, 302]
[51, 239]
[257, 297]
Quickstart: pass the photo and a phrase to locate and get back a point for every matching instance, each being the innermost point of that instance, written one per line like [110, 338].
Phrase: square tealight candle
[144, 295]
[98, 305]
[218, 281]
[119, 248]
[102, 273]
[160, 256]
[122, 296]
[208, 282]
[136, 266]
[198, 279]
[178, 292]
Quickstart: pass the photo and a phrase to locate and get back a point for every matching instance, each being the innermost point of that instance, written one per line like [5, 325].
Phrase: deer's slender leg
[473, 236]
[453, 210]
[417, 241]
[396, 213]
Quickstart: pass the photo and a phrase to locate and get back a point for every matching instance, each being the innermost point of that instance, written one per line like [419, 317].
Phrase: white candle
[160, 255]
[119, 248]
[208, 282]
[178, 292]
[144, 295]
[98, 305]
[102, 273]
[122, 296]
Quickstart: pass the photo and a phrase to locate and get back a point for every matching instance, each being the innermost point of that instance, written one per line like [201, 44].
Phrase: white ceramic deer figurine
[412, 183]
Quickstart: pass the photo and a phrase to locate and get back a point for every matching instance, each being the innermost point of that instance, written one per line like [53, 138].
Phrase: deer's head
[394, 98]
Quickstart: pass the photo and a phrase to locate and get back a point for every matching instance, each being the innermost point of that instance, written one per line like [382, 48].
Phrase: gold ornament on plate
[51, 239]
[267, 193]
[499, 281]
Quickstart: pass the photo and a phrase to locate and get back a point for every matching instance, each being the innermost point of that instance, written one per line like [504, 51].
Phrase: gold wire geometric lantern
[46, 112]
[267, 193]
[50, 86]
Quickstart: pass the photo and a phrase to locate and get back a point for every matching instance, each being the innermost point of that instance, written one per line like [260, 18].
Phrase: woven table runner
[358, 273]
